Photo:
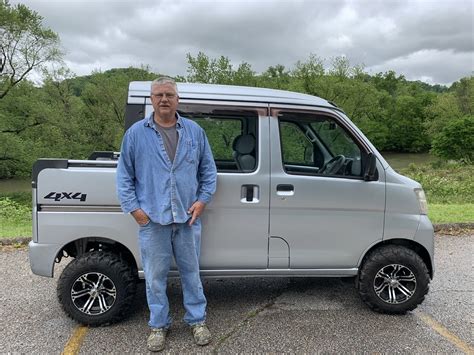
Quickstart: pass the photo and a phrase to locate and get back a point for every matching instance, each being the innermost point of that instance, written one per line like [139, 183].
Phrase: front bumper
[425, 236]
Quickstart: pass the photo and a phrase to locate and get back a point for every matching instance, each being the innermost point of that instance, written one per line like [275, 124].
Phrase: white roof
[139, 91]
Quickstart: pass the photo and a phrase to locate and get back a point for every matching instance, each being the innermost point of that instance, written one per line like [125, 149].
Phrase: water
[402, 160]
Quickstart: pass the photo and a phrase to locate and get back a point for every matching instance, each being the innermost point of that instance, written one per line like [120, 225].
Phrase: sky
[425, 40]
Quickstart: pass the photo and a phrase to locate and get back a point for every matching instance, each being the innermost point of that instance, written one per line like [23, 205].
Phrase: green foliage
[202, 69]
[450, 122]
[104, 97]
[13, 210]
[295, 146]
[26, 44]
[15, 218]
[22, 198]
[464, 92]
[406, 124]
[456, 140]
[452, 213]
[221, 135]
[53, 122]
[444, 183]
[21, 114]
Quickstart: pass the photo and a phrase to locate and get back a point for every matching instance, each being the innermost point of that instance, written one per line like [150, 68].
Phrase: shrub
[12, 211]
[450, 183]
[455, 141]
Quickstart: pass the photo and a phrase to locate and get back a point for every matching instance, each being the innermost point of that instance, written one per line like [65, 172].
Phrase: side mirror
[370, 167]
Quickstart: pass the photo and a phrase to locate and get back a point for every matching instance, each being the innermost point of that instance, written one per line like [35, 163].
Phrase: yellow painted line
[445, 333]
[74, 343]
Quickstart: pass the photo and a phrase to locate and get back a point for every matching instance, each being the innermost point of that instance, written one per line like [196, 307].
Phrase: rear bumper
[42, 258]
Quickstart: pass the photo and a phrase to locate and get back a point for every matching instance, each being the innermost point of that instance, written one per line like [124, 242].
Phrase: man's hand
[195, 210]
[140, 216]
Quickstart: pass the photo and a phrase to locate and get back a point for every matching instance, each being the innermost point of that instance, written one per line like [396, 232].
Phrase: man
[165, 177]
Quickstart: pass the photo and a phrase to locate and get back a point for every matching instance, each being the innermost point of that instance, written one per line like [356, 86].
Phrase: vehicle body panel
[323, 227]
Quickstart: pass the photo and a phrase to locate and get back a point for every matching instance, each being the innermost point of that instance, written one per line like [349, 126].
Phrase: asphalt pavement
[275, 315]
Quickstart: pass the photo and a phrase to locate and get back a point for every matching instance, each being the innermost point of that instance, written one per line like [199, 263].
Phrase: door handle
[249, 194]
[285, 190]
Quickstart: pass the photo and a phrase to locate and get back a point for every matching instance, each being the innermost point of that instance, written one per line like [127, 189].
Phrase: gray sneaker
[156, 340]
[202, 335]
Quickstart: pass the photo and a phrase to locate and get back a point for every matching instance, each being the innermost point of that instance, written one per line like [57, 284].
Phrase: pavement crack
[250, 315]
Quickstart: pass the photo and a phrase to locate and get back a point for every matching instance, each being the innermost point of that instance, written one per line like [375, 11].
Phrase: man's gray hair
[164, 80]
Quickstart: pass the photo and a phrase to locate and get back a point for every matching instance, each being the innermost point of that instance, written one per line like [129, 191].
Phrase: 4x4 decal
[57, 196]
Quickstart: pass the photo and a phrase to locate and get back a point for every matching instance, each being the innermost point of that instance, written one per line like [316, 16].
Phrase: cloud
[429, 40]
[425, 65]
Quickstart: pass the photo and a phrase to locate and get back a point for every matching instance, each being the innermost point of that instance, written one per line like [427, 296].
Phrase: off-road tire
[384, 257]
[115, 270]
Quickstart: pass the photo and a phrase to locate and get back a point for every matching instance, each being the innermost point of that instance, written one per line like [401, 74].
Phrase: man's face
[164, 100]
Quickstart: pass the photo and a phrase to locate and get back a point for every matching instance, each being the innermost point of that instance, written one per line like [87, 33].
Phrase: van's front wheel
[393, 279]
[97, 288]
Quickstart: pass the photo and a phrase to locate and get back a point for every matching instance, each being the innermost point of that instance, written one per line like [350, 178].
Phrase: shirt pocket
[191, 152]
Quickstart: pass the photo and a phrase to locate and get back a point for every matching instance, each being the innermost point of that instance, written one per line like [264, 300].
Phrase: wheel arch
[84, 245]
[408, 243]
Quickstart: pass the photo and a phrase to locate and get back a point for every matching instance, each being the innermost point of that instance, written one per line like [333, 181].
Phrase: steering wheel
[333, 165]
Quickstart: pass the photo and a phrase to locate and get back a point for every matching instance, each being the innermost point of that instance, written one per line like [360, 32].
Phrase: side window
[133, 113]
[319, 145]
[221, 133]
[231, 133]
[336, 139]
[295, 146]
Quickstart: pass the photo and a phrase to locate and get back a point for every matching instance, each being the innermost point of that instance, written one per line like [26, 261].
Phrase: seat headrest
[244, 144]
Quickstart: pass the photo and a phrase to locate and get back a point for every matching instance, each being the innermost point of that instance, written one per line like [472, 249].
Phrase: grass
[444, 183]
[15, 217]
[455, 213]
[15, 229]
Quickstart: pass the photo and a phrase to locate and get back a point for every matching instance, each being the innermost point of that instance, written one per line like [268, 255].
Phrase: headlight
[421, 197]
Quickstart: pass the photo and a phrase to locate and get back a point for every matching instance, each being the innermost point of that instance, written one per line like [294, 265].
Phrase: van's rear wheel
[97, 288]
[393, 279]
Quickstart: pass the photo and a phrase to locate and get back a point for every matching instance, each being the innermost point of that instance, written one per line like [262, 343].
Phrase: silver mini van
[301, 193]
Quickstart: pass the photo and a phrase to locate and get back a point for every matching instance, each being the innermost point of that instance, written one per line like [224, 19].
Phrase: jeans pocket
[145, 225]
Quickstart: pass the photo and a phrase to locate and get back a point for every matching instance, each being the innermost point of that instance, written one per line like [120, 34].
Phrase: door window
[319, 145]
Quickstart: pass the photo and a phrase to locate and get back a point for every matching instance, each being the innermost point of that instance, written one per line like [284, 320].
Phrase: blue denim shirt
[165, 190]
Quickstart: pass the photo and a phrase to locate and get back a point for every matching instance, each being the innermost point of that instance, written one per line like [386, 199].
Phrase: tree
[340, 67]
[464, 92]
[388, 81]
[442, 110]
[276, 77]
[25, 44]
[199, 68]
[456, 141]
[21, 113]
[244, 75]
[450, 122]
[307, 74]
[105, 97]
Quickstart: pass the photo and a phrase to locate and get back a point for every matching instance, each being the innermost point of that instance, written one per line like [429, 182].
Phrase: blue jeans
[158, 243]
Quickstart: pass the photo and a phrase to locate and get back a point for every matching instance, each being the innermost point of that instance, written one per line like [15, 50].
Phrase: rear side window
[232, 135]
[221, 133]
[133, 113]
